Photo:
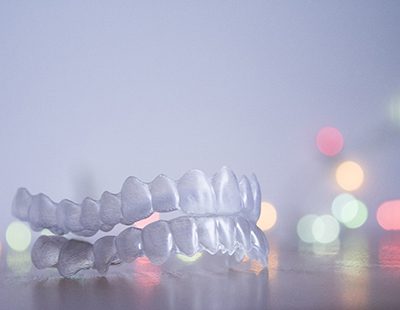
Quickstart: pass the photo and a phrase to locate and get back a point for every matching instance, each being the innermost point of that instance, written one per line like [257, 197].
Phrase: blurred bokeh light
[338, 206]
[273, 259]
[326, 249]
[325, 229]
[318, 229]
[349, 175]
[268, 216]
[46, 232]
[147, 275]
[19, 262]
[189, 259]
[354, 261]
[18, 236]
[152, 218]
[349, 211]
[394, 110]
[329, 141]
[355, 213]
[389, 253]
[388, 215]
[304, 228]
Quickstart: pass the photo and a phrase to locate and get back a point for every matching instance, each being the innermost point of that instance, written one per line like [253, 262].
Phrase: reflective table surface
[361, 271]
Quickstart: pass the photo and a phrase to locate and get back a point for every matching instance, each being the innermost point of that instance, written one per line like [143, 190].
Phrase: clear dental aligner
[193, 194]
[219, 215]
[232, 235]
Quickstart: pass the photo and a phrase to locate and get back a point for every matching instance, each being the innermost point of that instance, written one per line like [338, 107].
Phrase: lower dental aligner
[158, 241]
[219, 215]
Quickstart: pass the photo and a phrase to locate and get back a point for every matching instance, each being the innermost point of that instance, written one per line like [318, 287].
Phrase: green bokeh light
[304, 228]
[189, 259]
[360, 212]
[19, 262]
[325, 229]
[350, 211]
[394, 110]
[18, 236]
[338, 205]
[46, 232]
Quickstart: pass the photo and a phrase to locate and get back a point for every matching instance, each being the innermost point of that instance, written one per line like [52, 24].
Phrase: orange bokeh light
[349, 175]
[268, 216]
[388, 215]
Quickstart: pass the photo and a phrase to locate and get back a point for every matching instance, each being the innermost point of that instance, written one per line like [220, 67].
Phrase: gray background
[95, 91]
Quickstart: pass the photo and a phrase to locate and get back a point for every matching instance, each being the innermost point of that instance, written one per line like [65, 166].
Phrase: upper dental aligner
[194, 194]
[234, 235]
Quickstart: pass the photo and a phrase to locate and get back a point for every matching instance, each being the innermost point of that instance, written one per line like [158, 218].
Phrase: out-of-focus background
[94, 92]
[306, 94]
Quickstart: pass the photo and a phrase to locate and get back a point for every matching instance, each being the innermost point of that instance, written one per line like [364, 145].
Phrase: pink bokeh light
[152, 218]
[329, 141]
[388, 215]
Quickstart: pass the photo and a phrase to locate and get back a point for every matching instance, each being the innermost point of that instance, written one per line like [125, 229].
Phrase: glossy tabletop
[361, 271]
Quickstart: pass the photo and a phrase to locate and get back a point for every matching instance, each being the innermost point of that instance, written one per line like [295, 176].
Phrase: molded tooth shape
[72, 213]
[106, 227]
[207, 234]
[86, 233]
[110, 209]
[136, 200]
[129, 244]
[46, 250]
[239, 254]
[21, 204]
[226, 234]
[243, 233]
[232, 235]
[196, 194]
[184, 232]
[255, 187]
[254, 254]
[42, 213]
[157, 242]
[90, 218]
[164, 194]
[259, 244]
[60, 214]
[247, 194]
[258, 239]
[226, 188]
[105, 253]
[74, 256]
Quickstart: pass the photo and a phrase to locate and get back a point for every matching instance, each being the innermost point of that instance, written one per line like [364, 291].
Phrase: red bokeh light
[147, 275]
[389, 253]
[388, 215]
[329, 141]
